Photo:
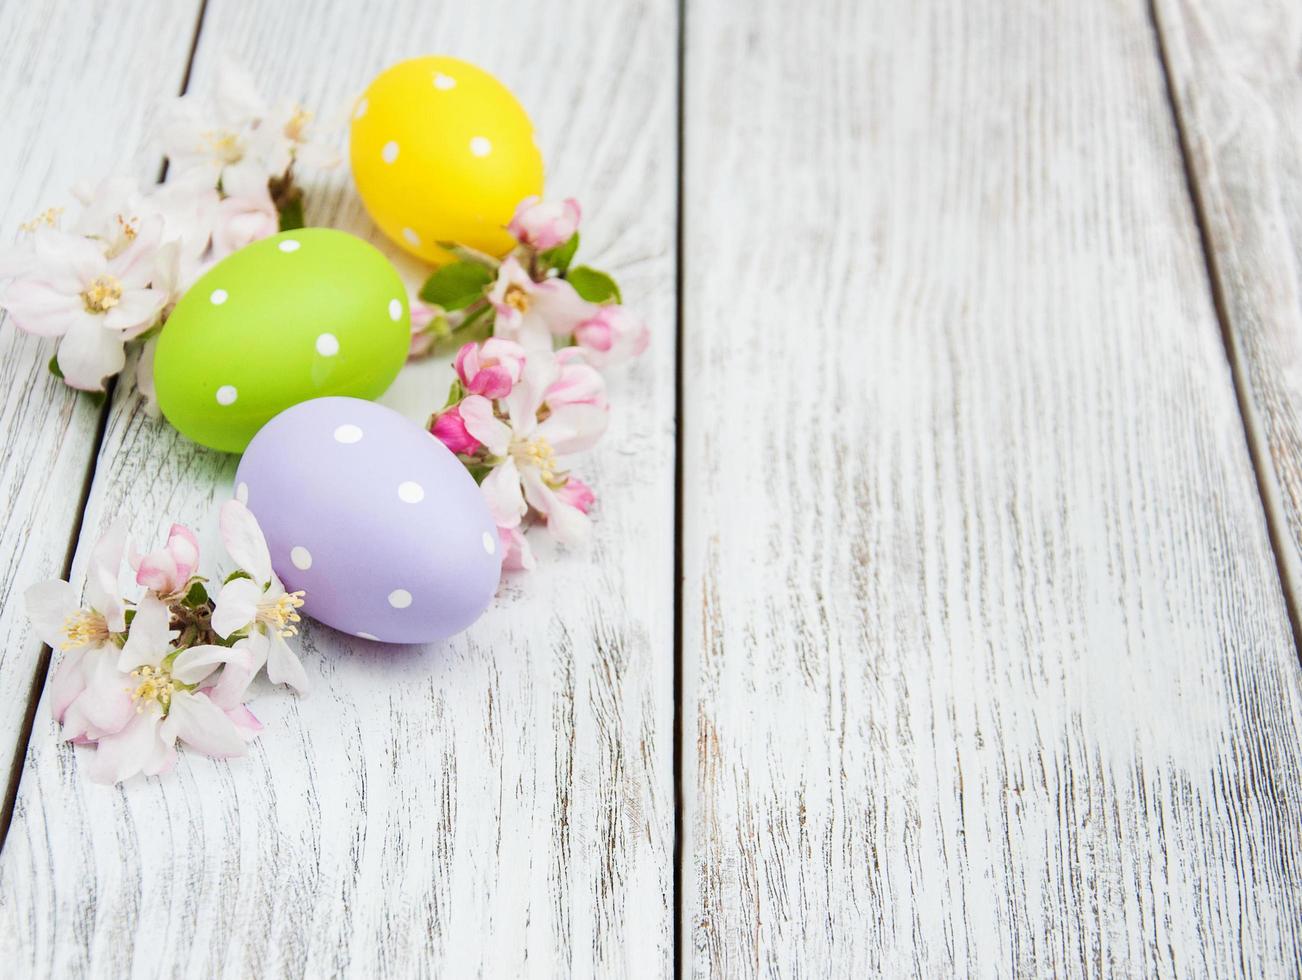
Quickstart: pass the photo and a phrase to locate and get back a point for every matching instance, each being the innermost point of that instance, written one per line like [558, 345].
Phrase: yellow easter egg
[442, 152]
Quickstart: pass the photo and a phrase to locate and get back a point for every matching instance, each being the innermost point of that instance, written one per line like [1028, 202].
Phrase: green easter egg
[299, 315]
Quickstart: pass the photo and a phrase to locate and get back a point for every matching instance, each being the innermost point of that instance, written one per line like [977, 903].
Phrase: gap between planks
[1215, 286]
[45, 660]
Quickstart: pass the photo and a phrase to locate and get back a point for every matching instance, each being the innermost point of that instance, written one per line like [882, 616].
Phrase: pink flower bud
[167, 570]
[450, 429]
[577, 494]
[544, 224]
[577, 382]
[612, 335]
[492, 368]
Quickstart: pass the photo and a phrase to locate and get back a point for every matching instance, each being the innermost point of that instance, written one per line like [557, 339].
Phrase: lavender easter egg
[373, 518]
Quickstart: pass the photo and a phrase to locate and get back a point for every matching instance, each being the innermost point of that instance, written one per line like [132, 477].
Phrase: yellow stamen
[297, 124]
[517, 298]
[49, 217]
[156, 684]
[225, 145]
[83, 628]
[283, 613]
[103, 293]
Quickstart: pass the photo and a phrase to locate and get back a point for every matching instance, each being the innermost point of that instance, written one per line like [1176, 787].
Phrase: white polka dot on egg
[226, 395]
[327, 345]
[301, 557]
[218, 297]
[348, 434]
[444, 82]
[395, 310]
[390, 152]
[361, 109]
[411, 236]
[490, 542]
[411, 492]
[290, 245]
[400, 598]
[480, 146]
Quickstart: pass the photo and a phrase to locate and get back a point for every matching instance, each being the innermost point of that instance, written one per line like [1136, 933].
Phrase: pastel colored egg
[442, 152]
[373, 518]
[295, 316]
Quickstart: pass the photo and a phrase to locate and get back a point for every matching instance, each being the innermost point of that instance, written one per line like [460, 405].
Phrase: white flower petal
[283, 665]
[501, 489]
[103, 588]
[49, 604]
[196, 663]
[244, 541]
[90, 352]
[236, 606]
[234, 679]
[566, 524]
[574, 428]
[149, 640]
[195, 720]
[137, 312]
[128, 752]
[477, 414]
[41, 308]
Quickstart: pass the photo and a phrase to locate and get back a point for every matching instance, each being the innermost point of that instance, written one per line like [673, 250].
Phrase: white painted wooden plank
[498, 805]
[1235, 80]
[987, 665]
[75, 95]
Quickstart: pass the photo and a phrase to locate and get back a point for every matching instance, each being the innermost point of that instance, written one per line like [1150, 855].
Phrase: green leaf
[291, 215]
[54, 367]
[455, 394]
[97, 398]
[238, 573]
[560, 257]
[457, 285]
[196, 597]
[594, 286]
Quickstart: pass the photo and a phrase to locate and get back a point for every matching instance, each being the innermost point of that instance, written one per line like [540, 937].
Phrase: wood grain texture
[498, 805]
[1238, 88]
[988, 666]
[62, 122]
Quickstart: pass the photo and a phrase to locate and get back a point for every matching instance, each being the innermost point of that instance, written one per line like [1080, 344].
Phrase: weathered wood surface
[988, 666]
[1237, 86]
[75, 93]
[498, 805]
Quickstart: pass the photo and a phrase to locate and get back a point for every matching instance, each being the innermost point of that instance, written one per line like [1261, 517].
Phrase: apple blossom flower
[168, 571]
[527, 452]
[531, 313]
[611, 335]
[517, 555]
[491, 368]
[162, 684]
[422, 337]
[544, 224]
[93, 302]
[577, 382]
[245, 215]
[62, 622]
[258, 603]
[449, 428]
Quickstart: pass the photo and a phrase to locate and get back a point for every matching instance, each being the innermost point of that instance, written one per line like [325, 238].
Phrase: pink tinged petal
[157, 571]
[104, 706]
[135, 266]
[184, 546]
[234, 680]
[526, 398]
[102, 580]
[149, 640]
[477, 415]
[195, 663]
[49, 604]
[517, 554]
[450, 429]
[130, 751]
[283, 665]
[595, 334]
[68, 683]
[245, 721]
[40, 308]
[259, 647]
[90, 352]
[577, 494]
[574, 428]
[560, 306]
[236, 607]
[565, 523]
[501, 489]
[578, 383]
[467, 362]
[202, 725]
[244, 541]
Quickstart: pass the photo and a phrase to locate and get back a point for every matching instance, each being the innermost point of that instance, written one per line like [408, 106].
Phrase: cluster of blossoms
[531, 395]
[174, 664]
[111, 275]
